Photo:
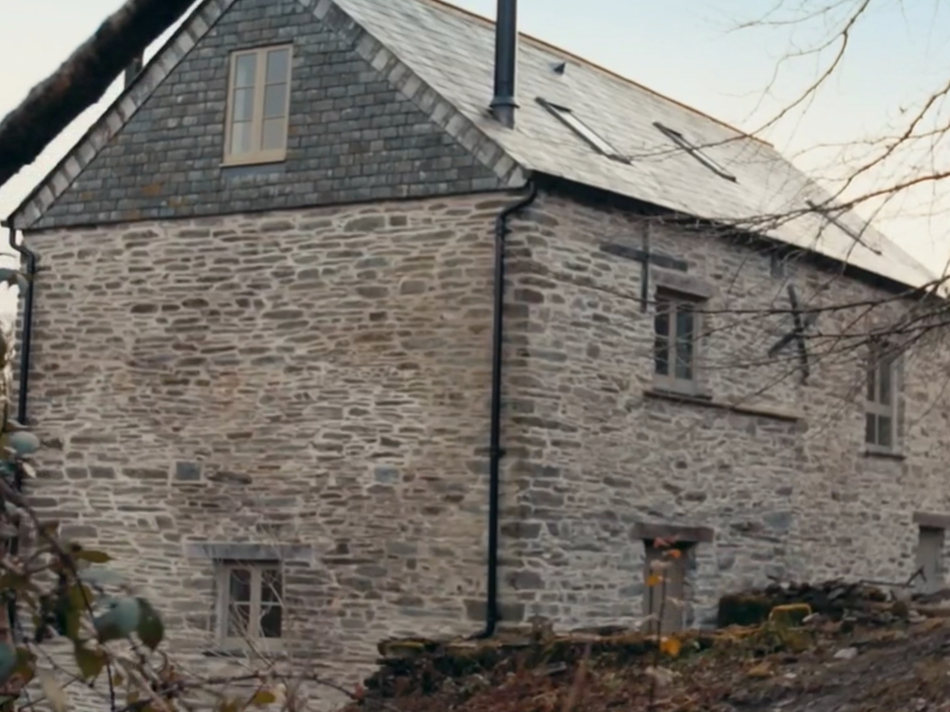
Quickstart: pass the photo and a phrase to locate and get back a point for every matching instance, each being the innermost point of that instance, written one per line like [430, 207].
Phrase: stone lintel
[297, 553]
[688, 535]
[932, 521]
[686, 284]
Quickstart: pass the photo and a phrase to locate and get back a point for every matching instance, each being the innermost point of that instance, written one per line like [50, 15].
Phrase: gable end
[363, 126]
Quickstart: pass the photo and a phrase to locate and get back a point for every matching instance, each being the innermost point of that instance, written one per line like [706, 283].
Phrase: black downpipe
[506, 59]
[26, 337]
[25, 345]
[495, 453]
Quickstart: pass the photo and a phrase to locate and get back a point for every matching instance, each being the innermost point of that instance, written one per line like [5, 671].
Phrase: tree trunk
[82, 80]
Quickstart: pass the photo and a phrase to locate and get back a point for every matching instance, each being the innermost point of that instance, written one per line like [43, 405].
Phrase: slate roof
[443, 57]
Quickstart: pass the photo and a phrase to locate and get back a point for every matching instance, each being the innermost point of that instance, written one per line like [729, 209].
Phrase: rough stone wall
[315, 379]
[786, 485]
[352, 136]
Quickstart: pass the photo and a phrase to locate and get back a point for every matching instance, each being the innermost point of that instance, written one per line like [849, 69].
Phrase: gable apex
[195, 27]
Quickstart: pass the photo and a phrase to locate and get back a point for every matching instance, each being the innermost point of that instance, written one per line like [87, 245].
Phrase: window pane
[271, 589]
[240, 586]
[872, 385]
[242, 105]
[271, 618]
[274, 134]
[661, 327]
[241, 138]
[275, 101]
[870, 429]
[885, 385]
[684, 341]
[238, 617]
[884, 429]
[277, 61]
[245, 70]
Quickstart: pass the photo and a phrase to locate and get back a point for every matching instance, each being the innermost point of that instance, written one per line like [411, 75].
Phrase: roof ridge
[543, 44]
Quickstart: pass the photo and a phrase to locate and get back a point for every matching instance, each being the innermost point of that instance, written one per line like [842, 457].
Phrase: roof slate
[443, 58]
[453, 52]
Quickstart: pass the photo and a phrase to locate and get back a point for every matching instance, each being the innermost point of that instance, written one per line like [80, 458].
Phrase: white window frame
[696, 152]
[583, 130]
[670, 381]
[256, 155]
[254, 638]
[880, 359]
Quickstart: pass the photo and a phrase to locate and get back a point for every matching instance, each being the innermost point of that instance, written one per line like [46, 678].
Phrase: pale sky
[687, 49]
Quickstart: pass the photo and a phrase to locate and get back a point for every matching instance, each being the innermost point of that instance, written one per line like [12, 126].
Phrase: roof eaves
[114, 118]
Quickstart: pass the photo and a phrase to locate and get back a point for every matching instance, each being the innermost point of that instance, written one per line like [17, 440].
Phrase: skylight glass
[574, 122]
[825, 212]
[695, 151]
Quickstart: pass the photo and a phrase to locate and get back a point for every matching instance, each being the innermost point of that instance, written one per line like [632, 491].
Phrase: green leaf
[93, 557]
[8, 661]
[263, 697]
[90, 662]
[119, 621]
[54, 692]
[150, 628]
[25, 664]
[22, 442]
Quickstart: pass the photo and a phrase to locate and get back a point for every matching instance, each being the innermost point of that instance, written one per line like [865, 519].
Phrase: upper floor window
[676, 325]
[881, 406]
[250, 602]
[258, 106]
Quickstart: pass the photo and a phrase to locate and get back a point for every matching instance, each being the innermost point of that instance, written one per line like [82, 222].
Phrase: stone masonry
[316, 379]
[783, 482]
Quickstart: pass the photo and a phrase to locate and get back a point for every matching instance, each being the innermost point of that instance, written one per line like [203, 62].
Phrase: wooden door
[674, 575]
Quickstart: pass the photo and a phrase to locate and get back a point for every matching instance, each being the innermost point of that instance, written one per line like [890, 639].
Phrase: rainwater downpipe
[495, 452]
[26, 338]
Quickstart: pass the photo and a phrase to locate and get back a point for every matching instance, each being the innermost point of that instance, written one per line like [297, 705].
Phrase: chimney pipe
[132, 71]
[506, 59]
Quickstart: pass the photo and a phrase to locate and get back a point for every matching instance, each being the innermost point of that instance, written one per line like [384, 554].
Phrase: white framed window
[258, 106]
[250, 605]
[880, 431]
[675, 325]
[695, 151]
[582, 129]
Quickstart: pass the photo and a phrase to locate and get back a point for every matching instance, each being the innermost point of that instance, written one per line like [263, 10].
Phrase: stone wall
[318, 380]
[783, 481]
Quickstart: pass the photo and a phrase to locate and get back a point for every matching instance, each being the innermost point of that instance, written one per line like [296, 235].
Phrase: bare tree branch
[82, 80]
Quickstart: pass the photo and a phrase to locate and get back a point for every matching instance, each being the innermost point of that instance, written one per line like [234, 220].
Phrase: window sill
[884, 454]
[706, 400]
[253, 161]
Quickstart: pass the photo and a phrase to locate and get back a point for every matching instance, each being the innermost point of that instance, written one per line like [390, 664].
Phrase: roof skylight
[695, 151]
[574, 122]
[825, 212]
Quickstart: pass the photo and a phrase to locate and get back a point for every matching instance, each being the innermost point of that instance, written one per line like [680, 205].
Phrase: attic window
[826, 213]
[695, 151]
[258, 106]
[574, 122]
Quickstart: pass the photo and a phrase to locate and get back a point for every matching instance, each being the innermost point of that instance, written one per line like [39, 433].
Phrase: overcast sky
[687, 49]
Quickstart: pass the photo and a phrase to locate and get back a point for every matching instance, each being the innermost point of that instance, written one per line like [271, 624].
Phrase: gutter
[495, 452]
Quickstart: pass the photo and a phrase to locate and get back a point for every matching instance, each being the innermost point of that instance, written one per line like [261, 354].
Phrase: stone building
[263, 348]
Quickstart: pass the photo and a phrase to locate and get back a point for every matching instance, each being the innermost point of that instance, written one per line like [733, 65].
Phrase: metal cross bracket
[797, 334]
[645, 256]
